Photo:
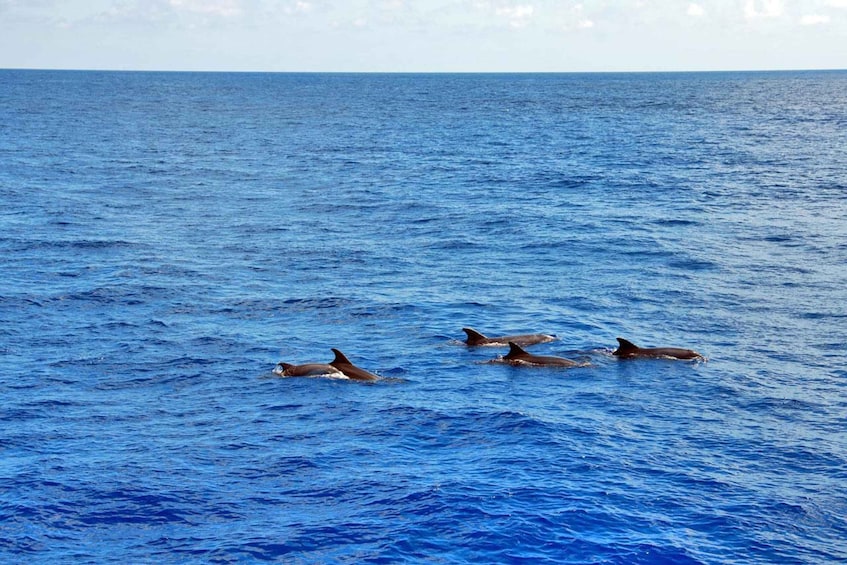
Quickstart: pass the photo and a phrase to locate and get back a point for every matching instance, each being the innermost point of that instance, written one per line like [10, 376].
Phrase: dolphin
[350, 370]
[518, 356]
[308, 370]
[477, 339]
[629, 350]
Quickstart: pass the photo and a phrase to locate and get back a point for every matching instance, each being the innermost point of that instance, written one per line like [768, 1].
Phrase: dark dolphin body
[307, 370]
[350, 370]
[477, 339]
[518, 356]
[628, 350]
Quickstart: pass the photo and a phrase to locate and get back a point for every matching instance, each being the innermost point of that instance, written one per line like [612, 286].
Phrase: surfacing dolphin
[518, 356]
[477, 339]
[628, 350]
[308, 370]
[350, 370]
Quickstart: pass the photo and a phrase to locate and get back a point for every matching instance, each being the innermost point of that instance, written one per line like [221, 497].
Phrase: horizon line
[419, 72]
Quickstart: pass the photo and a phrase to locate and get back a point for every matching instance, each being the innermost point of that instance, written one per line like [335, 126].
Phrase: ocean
[168, 238]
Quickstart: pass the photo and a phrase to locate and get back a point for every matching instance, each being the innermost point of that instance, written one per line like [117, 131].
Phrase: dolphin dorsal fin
[473, 336]
[626, 346]
[340, 358]
[515, 350]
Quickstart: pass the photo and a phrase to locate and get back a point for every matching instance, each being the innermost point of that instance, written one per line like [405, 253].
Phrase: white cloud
[298, 7]
[423, 34]
[764, 9]
[814, 19]
[220, 8]
[518, 16]
[577, 13]
[695, 10]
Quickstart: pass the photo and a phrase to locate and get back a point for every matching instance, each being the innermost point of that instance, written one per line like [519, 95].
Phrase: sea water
[167, 238]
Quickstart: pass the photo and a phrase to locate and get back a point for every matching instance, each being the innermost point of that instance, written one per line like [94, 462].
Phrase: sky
[424, 35]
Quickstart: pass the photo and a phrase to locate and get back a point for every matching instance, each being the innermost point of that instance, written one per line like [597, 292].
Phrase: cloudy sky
[424, 35]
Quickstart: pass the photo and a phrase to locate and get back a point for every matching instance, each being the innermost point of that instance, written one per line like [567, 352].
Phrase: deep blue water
[167, 238]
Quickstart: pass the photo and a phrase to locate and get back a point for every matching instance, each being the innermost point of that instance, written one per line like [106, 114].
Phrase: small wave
[305, 304]
[81, 244]
[676, 222]
[693, 265]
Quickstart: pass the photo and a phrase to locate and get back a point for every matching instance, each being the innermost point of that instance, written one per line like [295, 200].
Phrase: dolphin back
[625, 347]
[350, 370]
[515, 351]
[340, 358]
[474, 337]
[629, 349]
